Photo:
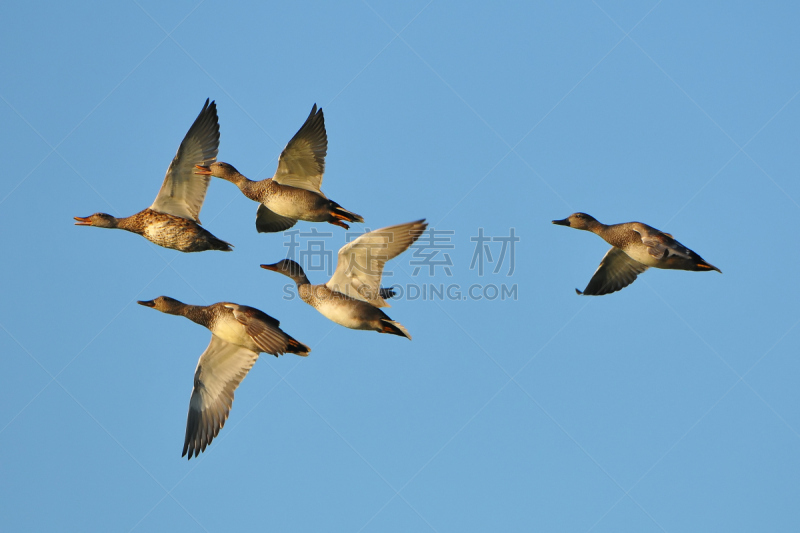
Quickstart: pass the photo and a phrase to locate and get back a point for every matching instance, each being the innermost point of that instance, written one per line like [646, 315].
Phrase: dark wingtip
[578, 292]
[192, 452]
[387, 293]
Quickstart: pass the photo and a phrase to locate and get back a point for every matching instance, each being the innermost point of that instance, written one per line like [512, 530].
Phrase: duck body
[279, 201]
[345, 311]
[232, 323]
[291, 202]
[652, 247]
[293, 193]
[635, 248]
[220, 321]
[173, 219]
[163, 229]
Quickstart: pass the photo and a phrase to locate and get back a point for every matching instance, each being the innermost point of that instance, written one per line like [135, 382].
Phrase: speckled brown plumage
[162, 229]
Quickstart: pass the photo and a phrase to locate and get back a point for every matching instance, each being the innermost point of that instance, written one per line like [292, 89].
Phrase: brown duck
[173, 219]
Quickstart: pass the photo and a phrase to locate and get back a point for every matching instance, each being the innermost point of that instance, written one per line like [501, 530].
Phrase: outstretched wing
[183, 191]
[616, 271]
[360, 265]
[219, 371]
[302, 162]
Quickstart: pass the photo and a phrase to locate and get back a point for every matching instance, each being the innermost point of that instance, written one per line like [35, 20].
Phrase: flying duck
[353, 296]
[293, 193]
[635, 247]
[173, 219]
[238, 334]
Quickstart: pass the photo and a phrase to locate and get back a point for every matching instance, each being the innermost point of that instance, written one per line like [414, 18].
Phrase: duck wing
[302, 162]
[219, 371]
[183, 191]
[263, 329]
[268, 221]
[360, 264]
[659, 244]
[616, 271]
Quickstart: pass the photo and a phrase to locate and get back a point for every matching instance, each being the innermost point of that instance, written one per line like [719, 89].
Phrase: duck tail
[703, 265]
[395, 328]
[340, 214]
[219, 244]
[297, 347]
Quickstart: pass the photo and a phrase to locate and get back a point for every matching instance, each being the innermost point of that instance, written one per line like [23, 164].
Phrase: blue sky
[669, 406]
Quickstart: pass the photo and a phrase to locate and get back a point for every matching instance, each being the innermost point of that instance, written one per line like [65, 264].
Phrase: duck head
[165, 304]
[288, 268]
[579, 221]
[101, 220]
[219, 170]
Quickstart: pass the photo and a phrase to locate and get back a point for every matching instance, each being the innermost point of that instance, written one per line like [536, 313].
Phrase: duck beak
[203, 171]
[564, 222]
[149, 303]
[270, 267]
[83, 221]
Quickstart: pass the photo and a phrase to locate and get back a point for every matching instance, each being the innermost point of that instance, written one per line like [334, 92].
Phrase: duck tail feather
[394, 328]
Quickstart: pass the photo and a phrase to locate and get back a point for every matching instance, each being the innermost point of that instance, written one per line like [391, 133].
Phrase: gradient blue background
[670, 406]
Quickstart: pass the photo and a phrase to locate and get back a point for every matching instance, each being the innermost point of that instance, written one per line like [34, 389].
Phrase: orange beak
[203, 171]
[83, 221]
[270, 267]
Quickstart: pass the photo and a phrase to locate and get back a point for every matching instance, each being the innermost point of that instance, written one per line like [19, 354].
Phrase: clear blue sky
[669, 406]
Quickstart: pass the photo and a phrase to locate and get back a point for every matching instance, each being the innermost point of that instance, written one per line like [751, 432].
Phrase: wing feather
[183, 191]
[360, 264]
[262, 329]
[221, 369]
[659, 244]
[268, 221]
[302, 162]
[616, 271]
